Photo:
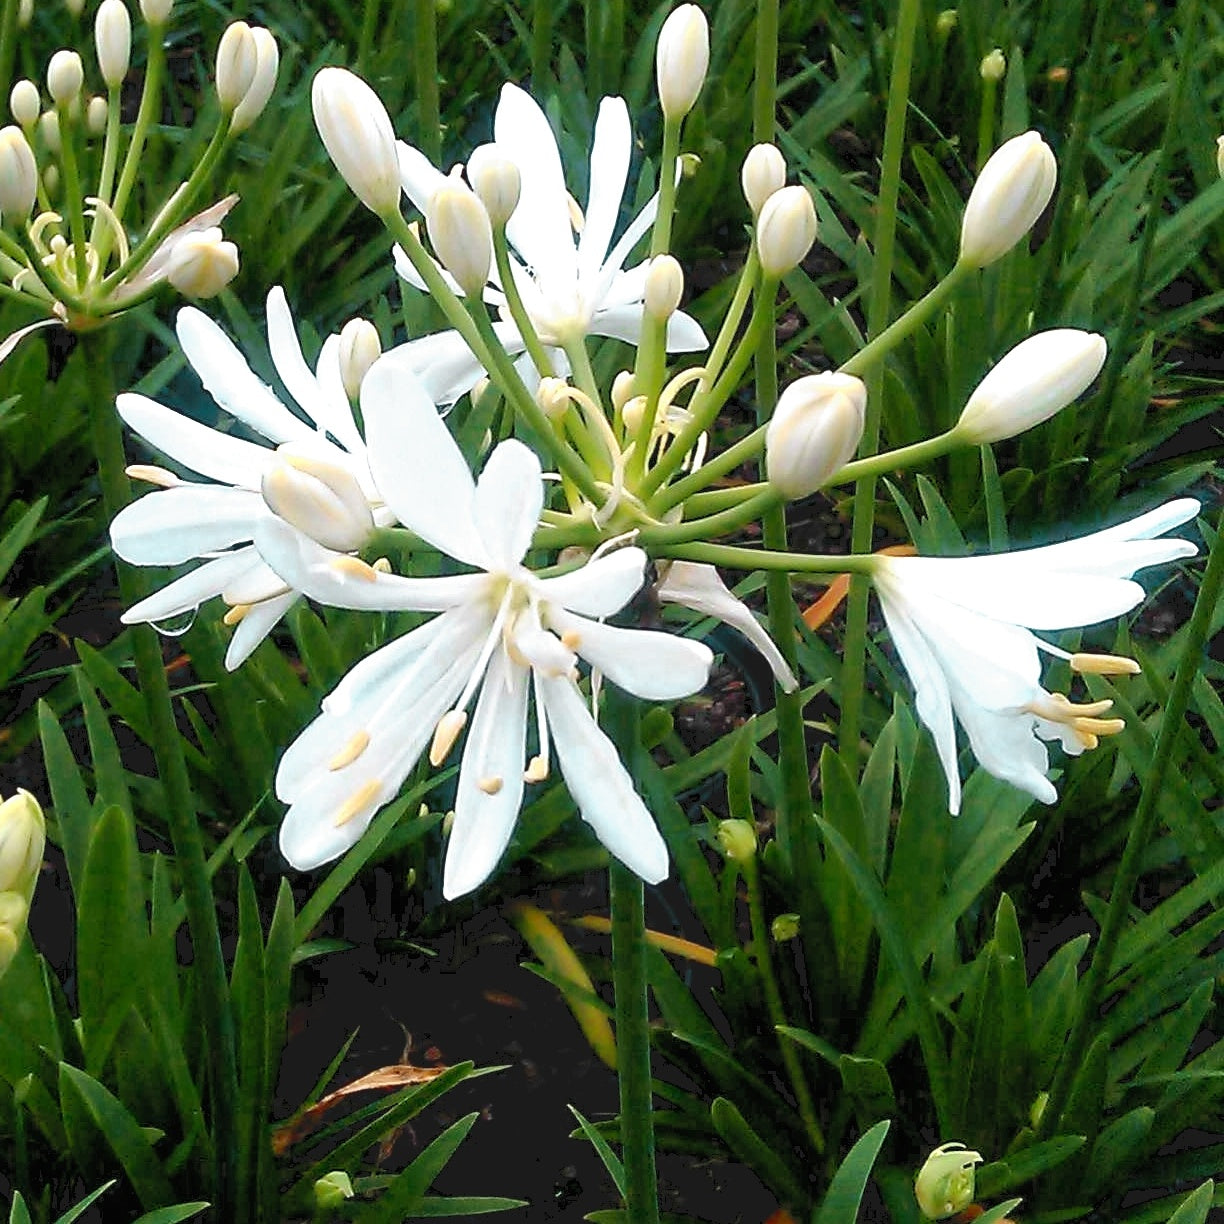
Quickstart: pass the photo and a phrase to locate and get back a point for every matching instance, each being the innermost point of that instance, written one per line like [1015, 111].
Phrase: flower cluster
[534, 564]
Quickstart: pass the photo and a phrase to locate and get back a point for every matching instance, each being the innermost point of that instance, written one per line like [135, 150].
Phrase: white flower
[503, 631]
[961, 626]
[569, 289]
[315, 475]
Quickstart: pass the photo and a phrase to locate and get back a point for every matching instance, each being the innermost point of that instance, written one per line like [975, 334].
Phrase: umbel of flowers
[517, 650]
[67, 177]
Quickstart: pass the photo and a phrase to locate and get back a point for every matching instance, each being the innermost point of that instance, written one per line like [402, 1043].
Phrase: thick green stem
[541, 42]
[854, 664]
[759, 506]
[8, 43]
[72, 194]
[425, 59]
[180, 812]
[146, 116]
[660, 233]
[518, 312]
[733, 556]
[762, 955]
[1142, 827]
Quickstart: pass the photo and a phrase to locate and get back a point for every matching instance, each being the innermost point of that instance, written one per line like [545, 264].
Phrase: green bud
[945, 23]
[784, 927]
[1037, 1108]
[738, 839]
[944, 1185]
[331, 1190]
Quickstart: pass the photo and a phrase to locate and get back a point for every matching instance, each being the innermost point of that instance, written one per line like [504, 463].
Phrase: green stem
[902, 457]
[73, 195]
[146, 116]
[711, 501]
[8, 43]
[1142, 827]
[541, 42]
[518, 312]
[660, 234]
[734, 556]
[854, 664]
[748, 447]
[759, 506]
[761, 954]
[425, 59]
[986, 117]
[212, 988]
[632, 1013]
[365, 39]
[110, 151]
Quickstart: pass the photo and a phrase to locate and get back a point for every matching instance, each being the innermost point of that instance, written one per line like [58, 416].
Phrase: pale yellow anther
[382, 566]
[356, 567]
[357, 802]
[1104, 665]
[577, 220]
[1098, 726]
[235, 614]
[491, 785]
[350, 752]
[1058, 707]
[536, 771]
[152, 474]
[571, 639]
[445, 735]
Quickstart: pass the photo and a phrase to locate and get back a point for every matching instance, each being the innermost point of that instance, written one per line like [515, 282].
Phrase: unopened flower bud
[156, 12]
[202, 264]
[945, 23]
[51, 180]
[25, 14]
[267, 62]
[738, 839]
[1010, 194]
[65, 76]
[1038, 378]
[944, 1185]
[360, 348]
[682, 57]
[113, 39]
[322, 500]
[814, 431]
[96, 115]
[18, 175]
[25, 103]
[331, 1190]
[664, 287]
[356, 131]
[459, 230]
[49, 130]
[496, 181]
[552, 396]
[22, 841]
[632, 413]
[993, 66]
[763, 173]
[784, 927]
[785, 231]
[237, 60]
[622, 388]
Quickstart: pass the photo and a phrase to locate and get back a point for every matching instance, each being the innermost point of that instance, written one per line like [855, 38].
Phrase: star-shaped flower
[315, 476]
[569, 289]
[504, 632]
[961, 626]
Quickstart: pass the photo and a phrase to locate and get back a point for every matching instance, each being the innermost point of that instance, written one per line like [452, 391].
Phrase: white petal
[417, 466]
[540, 227]
[170, 526]
[185, 594]
[684, 335]
[206, 451]
[494, 756]
[255, 626]
[287, 356]
[601, 587]
[12, 340]
[601, 787]
[933, 699]
[1006, 747]
[419, 177]
[609, 170]
[335, 580]
[699, 587]
[507, 505]
[624, 246]
[228, 379]
[255, 584]
[406, 270]
[655, 666]
[336, 413]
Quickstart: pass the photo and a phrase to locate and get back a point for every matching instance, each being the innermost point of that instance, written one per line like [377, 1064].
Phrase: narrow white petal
[207, 451]
[509, 498]
[170, 526]
[624, 246]
[699, 587]
[417, 466]
[601, 587]
[336, 413]
[1006, 747]
[540, 227]
[256, 583]
[229, 380]
[419, 177]
[255, 626]
[287, 356]
[685, 334]
[609, 171]
[932, 698]
[407, 270]
[490, 779]
[339, 581]
[652, 665]
[185, 594]
[599, 783]
[11, 341]
[445, 365]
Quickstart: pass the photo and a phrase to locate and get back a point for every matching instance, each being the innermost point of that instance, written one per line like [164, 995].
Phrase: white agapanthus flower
[569, 289]
[315, 475]
[961, 626]
[503, 632]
